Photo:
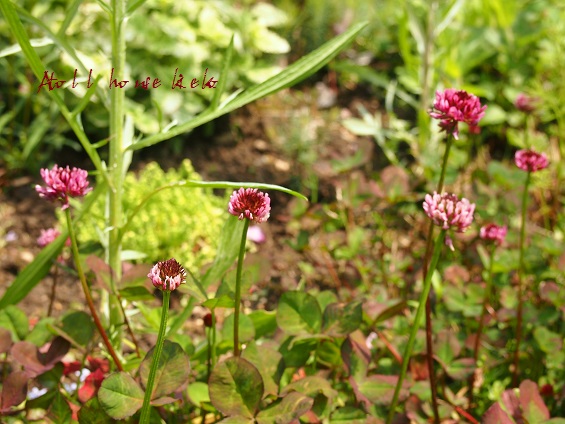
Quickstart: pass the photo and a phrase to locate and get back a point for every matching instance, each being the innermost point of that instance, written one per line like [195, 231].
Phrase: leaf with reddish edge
[101, 270]
[5, 340]
[299, 313]
[172, 371]
[59, 412]
[236, 387]
[311, 386]
[379, 389]
[285, 410]
[120, 396]
[35, 362]
[511, 404]
[14, 390]
[340, 320]
[446, 346]
[92, 413]
[269, 364]
[534, 409]
[237, 419]
[384, 312]
[460, 369]
[356, 357]
[495, 415]
[165, 400]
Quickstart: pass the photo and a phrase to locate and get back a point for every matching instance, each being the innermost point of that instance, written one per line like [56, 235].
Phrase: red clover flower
[63, 183]
[447, 211]
[530, 161]
[47, 236]
[167, 275]
[525, 103]
[453, 106]
[492, 232]
[250, 203]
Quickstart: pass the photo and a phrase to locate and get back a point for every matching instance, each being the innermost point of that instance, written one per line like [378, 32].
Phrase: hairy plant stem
[486, 299]
[237, 300]
[520, 282]
[416, 324]
[116, 159]
[86, 290]
[146, 408]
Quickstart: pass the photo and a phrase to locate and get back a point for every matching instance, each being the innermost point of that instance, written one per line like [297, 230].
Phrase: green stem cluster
[146, 408]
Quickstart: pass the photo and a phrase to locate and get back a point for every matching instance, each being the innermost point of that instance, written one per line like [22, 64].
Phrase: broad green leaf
[78, 326]
[348, 415]
[172, 370]
[293, 74]
[547, 340]
[341, 320]
[34, 272]
[15, 320]
[326, 297]
[379, 389]
[136, 293]
[269, 364]
[265, 322]
[246, 329]
[92, 413]
[461, 369]
[533, 407]
[237, 419]
[446, 346]
[299, 313]
[223, 301]
[296, 353]
[120, 396]
[311, 386]
[286, 410]
[329, 353]
[496, 415]
[198, 393]
[60, 411]
[236, 387]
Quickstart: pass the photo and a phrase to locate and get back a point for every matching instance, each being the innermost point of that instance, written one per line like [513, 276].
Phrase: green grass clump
[179, 222]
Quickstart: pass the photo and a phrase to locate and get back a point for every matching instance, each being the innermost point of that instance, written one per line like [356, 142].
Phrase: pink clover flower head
[167, 275]
[493, 232]
[525, 103]
[447, 211]
[63, 183]
[47, 236]
[530, 161]
[250, 203]
[453, 106]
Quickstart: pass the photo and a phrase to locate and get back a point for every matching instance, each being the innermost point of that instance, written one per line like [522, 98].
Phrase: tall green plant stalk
[146, 408]
[116, 160]
[515, 371]
[429, 329]
[416, 324]
[86, 290]
[237, 300]
[486, 300]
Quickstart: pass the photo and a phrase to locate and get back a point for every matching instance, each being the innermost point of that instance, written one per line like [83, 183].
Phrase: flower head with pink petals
[63, 183]
[493, 232]
[453, 106]
[250, 203]
[447, 211]
[531, 161]
[167, 275]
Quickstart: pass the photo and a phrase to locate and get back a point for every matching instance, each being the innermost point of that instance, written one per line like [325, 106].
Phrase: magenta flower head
[63, 183]
[453, 106]
[167, 275]
[530, 161]
[525, 103]
[447, 211]
[250, 203]
[47, 237]
[492, 232]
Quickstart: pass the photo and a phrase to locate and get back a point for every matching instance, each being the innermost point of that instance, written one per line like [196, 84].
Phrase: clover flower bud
[167, 275]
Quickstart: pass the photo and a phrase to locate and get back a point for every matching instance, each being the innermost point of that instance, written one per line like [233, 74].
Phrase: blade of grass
[293, 74]
[222, 80]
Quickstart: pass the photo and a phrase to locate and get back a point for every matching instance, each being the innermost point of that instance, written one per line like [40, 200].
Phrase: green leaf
[236, 387]
[265, 322]
[120, 396]
[461, 369]
[15, 320]
[246, 329]
[92, 413]
[41, 332]
[172, 371]
[299, 313]
[379, 389]
[77, 327]
[34, 272]
[348, 415]
[269, 364]
[311, 386]
[222, 80]
[293, 74]
[136, 293]
[60, 411]
[533, 407]
[496, 415]
[223, 301]
[198, 393]
[547, 340]
[341, 320]
[285, 410]
[296, 352]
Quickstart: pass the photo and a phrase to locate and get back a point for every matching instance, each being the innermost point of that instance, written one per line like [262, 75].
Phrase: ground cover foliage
[403, 306]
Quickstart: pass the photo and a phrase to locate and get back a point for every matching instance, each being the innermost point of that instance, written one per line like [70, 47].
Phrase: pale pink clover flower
[167, 275]
[452, 106]
[493, 232]
[250, 203]
[448, 212]
[63, 183]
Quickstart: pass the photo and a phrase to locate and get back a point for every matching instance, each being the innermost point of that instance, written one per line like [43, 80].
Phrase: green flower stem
[116, 160]
[448, 144]
[416, 324]
[236, 350]
[486, 299]
[89, 301]
[520, 281]
[146, 408]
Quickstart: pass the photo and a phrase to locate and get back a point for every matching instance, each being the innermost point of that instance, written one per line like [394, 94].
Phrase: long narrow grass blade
[222, 80]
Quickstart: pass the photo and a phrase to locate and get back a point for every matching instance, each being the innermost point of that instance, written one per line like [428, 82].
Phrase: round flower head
[447, 211]
[525, 103]
[63, 183]
[530, 161]
[250, 203]
[47, 237]
[167, 275]
[453, 106]
[492, 232]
